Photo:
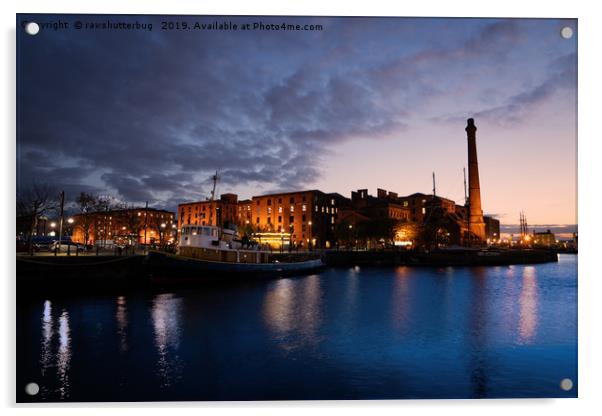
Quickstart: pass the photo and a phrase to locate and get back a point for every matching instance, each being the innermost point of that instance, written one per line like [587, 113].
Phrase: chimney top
[470, 125]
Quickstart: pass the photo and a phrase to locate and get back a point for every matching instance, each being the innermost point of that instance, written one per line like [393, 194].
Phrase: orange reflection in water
[527, 325]
[400, 298]
[166, 317]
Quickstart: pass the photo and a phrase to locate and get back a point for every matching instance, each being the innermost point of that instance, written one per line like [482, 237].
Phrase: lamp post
[69, 233]
[162, 234]
[311, 235]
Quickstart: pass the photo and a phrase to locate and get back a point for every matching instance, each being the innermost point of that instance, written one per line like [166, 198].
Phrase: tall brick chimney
[476, 224]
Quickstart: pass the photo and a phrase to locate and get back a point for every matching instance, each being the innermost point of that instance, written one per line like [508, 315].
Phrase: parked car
[66, 246]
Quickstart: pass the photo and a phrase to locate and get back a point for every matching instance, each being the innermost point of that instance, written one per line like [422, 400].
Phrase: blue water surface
[352, 333]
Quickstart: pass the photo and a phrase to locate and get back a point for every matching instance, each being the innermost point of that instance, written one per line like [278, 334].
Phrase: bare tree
[33, 203]
[132, 221]
[159, 225]
[86, 205]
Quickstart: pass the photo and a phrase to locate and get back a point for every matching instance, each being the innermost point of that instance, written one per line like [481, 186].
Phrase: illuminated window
[269, 210]
[280, 209]
[304, 208]
[292, 208]
[316, 208]
[332, 201]
[332, 220]
[424, 210]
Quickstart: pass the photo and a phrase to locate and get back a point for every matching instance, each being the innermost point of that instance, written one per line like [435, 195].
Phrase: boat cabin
[206, 236]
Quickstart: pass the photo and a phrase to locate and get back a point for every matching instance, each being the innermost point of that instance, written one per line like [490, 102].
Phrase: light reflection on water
[528, 306]
[292, 309]
[346, 333]
[64, 354]
[121, 316]
[55, 351]
[47, 333]
[166, 315]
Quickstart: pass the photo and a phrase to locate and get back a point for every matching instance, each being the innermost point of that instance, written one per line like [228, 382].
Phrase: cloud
[151, 117]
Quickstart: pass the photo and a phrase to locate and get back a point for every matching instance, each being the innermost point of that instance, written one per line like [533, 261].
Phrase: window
[332, 220]
[405, 203]
[424, 210]
[269, 202]
[280, 200]
[304, 198]
[304, 208]
[291, 219]
[292, 200]
[279, 218]
[303, 218]
[280, 209]
[292, 208]
[269, 220]
[316, 208]
[269, 210]
[258, 201]
[332, 201]
[257, 220]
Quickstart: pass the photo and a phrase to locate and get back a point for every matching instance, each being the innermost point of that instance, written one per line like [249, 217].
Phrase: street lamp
[162, 233]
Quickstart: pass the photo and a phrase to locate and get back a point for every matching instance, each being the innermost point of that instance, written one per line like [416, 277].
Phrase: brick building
[303, 219]
[220, 212]
[123, 226]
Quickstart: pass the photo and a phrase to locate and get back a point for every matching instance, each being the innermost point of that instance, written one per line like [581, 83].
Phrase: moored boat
[208, 251]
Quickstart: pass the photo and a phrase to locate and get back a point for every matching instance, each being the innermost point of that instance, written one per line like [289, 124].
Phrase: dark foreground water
[370, 333]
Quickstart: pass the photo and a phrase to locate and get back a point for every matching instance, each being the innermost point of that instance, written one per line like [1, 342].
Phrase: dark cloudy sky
[364, 103]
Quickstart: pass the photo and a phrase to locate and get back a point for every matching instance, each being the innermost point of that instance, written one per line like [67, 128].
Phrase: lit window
[304, 208]
[332, 201]
[332, 220]
[269, 210]
[279, 209]
[292, 208]
[424, 210]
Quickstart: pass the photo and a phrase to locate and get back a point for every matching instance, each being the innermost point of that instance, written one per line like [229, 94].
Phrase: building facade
[220, 213]
[300, 219]
[123, 226]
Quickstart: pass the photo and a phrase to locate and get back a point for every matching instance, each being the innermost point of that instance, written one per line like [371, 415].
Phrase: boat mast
[215, 178]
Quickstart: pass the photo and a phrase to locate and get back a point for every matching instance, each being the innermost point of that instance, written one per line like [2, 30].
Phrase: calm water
[355, 333]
